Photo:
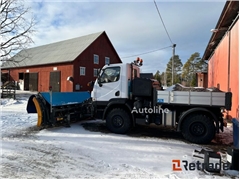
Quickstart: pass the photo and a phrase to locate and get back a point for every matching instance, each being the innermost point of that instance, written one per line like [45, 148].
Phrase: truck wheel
[198, 128]
[118, 121]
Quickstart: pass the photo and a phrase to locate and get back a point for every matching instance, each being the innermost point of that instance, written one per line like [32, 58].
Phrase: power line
[163, 22]
[173, 45]
[146, 52]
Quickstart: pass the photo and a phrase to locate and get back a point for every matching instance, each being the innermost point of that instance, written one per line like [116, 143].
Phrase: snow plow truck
[123, 99]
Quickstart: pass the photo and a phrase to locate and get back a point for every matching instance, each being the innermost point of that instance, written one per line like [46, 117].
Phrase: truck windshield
[110, 74]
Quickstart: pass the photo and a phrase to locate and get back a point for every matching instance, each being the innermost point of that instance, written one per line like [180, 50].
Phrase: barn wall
[223, 67]
[234, 70]
[219, 66]
[44, 74]
[101, 47]
[211, 72]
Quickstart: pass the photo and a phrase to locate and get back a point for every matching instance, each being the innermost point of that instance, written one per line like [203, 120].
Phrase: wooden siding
[101, 47]
[223, 67]
[219, 66]
[202, 80]
[44, 75]
[234, 70]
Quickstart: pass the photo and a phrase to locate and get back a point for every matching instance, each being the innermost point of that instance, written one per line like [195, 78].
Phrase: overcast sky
[134, 27]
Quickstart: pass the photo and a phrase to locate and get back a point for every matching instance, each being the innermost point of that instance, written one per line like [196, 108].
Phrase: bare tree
[16, 28]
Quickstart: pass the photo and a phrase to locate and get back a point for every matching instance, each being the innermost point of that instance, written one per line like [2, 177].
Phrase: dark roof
[58, 52]
[228, 15]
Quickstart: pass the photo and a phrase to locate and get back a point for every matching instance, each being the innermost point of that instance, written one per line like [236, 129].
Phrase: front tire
[118, 121]
[198, 128]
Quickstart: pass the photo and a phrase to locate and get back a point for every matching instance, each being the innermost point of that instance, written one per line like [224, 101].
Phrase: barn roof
[58, 52]
[226, 19]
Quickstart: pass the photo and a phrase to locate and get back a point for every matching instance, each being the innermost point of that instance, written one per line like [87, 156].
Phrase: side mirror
[91, 83]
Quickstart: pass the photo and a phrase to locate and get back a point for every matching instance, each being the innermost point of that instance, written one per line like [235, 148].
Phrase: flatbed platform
[221, 99]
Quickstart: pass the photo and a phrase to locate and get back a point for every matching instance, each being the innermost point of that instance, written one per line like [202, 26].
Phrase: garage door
[55, 81]
[33, 81]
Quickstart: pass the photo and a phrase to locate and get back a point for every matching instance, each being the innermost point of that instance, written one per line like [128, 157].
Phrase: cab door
[108, 84]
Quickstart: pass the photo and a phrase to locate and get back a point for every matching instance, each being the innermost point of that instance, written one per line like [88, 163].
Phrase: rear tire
[118, 121]
[198, 128]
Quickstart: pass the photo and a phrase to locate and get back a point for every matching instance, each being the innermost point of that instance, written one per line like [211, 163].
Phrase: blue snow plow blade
[58, 107]
[65, 98]
[59, 99]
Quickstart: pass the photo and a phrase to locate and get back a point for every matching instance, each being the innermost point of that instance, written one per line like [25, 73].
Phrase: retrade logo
[176, 163]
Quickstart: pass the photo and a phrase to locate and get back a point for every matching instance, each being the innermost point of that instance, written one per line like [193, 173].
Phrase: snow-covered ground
[88, 150]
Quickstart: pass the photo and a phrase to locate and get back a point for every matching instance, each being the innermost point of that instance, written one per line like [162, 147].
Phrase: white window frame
[95, 59]
[82, 71]
[107, 58]
[95, 72]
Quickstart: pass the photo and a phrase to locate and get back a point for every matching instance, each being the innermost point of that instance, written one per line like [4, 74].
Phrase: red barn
[66, 65]
[222, 53]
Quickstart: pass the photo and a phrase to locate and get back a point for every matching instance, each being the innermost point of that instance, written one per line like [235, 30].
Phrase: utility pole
[174, 45]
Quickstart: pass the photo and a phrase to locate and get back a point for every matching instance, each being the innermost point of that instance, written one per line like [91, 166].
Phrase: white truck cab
[113, 81]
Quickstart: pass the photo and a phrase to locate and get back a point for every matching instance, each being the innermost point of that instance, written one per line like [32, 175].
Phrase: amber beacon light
[138, 62]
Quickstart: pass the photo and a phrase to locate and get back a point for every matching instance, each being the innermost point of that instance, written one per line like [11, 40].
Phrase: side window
[107, 60]
[95, 59]
[111, 74]
[95, 72]
[82, 71]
